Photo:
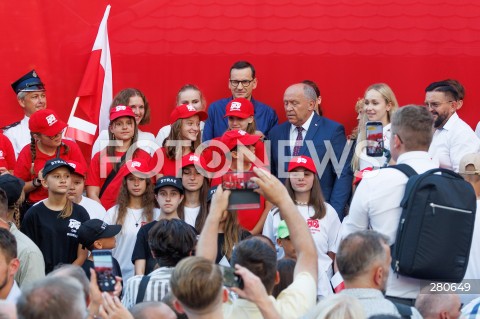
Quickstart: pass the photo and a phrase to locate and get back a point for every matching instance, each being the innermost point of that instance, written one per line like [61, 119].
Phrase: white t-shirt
[145, 141]
[191, 215]
[93, 208]
[127, 237]
[324, 232]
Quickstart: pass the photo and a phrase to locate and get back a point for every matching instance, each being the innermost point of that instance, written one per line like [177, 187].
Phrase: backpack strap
[405, 169]
[110, 177]
[142, 288]
[404, 310]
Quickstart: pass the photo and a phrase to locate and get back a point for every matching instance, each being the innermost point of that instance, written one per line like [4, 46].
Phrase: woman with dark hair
[135, 208]
[303, 186]
[194, 209]
[137, 101]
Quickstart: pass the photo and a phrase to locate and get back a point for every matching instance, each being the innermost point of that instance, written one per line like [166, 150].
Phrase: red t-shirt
[24, 163]
[167, 166]
[97, 177]
[7, 154]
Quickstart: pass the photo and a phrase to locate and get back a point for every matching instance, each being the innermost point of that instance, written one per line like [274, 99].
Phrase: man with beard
[363, 259]
[453, 138]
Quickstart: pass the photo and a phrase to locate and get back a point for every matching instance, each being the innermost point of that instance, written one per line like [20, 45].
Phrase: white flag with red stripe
[91, 107]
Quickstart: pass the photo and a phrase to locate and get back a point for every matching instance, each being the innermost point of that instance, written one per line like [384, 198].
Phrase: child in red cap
[103, 181]
[185, 122]
[46, 130]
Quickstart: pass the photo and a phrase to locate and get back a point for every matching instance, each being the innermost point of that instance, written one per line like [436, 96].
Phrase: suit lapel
[312, 131]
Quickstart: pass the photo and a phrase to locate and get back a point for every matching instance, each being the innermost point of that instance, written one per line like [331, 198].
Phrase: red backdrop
[157, 46]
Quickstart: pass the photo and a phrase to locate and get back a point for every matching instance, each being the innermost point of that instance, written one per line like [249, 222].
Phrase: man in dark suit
[307, 133]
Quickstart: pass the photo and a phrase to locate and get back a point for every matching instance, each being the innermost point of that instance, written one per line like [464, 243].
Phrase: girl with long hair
[380, 104]
[137, 101]
[46, 130]
[184, 136]
[135, 208]
[189, 94]
[103, 181]
[193, 209]
[53, 223]
[230, 232]
[303, 185]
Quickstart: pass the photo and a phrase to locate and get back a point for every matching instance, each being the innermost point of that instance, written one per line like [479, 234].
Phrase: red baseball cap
[46, 122]
[192, 159]
[79, 168]
[302, 161]
[235, 137]
[120, 111]
[185, 111]
[240, 107]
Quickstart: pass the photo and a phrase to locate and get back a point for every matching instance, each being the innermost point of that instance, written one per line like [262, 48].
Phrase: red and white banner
[91, 107]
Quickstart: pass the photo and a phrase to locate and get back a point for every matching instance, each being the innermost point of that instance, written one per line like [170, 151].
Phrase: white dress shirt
[452, 142]
[294, 132]
[376, 205]
[19, 135]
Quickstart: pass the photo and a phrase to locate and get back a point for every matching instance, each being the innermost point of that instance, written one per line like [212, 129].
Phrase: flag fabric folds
[91, 106]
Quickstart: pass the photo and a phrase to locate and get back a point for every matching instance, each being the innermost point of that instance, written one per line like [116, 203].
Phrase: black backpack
[436, 226]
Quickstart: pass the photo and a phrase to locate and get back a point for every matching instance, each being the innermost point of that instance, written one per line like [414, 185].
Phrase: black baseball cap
[169, 181]
[95, 229]
[55, 163]
[13, 187]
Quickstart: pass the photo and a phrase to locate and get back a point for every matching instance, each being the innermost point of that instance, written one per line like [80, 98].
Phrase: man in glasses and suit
[242, 82]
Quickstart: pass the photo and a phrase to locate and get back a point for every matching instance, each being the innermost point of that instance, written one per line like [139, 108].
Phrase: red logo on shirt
[313, 223]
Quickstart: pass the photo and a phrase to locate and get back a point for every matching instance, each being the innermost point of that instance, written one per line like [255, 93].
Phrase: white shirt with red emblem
[324, 232]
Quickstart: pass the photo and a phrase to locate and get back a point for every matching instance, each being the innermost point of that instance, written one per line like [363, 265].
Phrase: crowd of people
[309, 233]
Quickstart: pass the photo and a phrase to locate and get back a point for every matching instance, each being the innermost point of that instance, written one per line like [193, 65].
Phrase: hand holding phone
[230, 279]
[242, 190]
[374, 133]
[103, 265]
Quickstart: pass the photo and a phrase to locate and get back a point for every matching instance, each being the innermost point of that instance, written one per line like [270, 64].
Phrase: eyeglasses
[56, 135]
[245, 83]
[435, 105]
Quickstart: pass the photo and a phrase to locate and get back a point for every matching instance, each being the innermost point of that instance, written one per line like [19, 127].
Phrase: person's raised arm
[207, 244]
[275, 192]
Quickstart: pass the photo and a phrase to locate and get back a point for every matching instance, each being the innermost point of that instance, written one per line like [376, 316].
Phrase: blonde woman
[379, 105]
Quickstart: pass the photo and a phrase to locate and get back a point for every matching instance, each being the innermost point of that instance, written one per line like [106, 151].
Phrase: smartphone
[230, 279]
[242, 190]
[374, 139]
[103, 265]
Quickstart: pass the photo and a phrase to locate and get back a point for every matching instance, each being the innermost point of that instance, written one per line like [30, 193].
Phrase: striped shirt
[158, 287]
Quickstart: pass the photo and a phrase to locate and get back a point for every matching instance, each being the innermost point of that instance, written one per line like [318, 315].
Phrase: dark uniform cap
[30, 82]
[13, 187]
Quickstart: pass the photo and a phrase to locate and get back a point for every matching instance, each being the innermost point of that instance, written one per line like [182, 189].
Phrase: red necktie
[298, 142]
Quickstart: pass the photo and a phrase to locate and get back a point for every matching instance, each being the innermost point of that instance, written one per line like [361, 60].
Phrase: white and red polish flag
[91, 107]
